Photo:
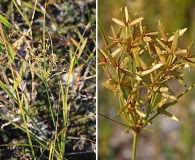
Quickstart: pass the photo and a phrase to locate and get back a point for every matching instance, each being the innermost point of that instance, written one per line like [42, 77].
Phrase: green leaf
[31, 118]
[21, 13]
[163, 111]
[115, 121]
[7, 90]
[10, 52]
[20, 75]
[24, 130]
[5, 21]
[82, 47]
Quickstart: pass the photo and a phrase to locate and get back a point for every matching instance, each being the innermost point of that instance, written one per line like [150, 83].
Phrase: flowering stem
[134, 145]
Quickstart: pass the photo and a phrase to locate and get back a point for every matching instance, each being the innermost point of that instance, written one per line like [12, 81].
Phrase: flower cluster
[139, 65]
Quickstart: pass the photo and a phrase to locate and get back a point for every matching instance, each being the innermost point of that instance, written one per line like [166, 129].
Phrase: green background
[169, 139]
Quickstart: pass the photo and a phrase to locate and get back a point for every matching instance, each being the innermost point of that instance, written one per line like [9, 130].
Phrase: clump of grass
[31, 72]
[139, 66]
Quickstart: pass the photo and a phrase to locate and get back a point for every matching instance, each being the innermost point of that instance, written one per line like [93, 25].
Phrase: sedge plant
[43, 64]
[139, 66]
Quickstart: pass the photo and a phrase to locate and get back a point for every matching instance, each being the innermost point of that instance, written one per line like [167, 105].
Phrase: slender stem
[134, 145]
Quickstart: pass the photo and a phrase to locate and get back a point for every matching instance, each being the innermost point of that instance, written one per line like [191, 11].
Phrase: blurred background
[170, 140]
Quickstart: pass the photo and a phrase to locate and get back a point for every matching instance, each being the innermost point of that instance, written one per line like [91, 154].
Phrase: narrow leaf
[5, 21]
[10, 52]
[163, 111]
[7, 90]
[75, 42]
[82, 47]
[21, 13]
[116, 121]
[20, 75]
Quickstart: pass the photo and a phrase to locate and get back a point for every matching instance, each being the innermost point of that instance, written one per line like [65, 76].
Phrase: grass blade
[5, 21]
